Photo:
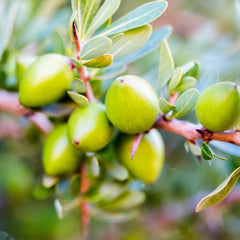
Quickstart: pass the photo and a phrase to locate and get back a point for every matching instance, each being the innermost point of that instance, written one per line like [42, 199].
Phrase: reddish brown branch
[192, 131]
[82, 72]
[84, 207]
[9, 103]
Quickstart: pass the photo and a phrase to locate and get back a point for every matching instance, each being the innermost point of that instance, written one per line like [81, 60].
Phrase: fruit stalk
[82, 72]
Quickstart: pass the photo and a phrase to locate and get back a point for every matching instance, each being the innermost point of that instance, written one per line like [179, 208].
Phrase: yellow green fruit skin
[23, 62]
[89, 129]
[218, 107]
[148, 160]
[132, 105]
[45, 81]
[59, 156]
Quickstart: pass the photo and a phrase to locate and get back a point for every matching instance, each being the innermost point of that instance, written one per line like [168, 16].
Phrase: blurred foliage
[169, 209]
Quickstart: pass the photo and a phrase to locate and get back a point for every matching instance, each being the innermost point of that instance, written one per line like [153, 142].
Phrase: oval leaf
[75, 62]
[140, 16]
[175, 79]
[193, 148]
[219, 193]
[108, 8]
[185, 103]
[130, 42]
[95, 169]
[99, 62]
[165, 106]
[95, 47]
[118, 172]
[76, 8]
[78, 98]
[195, 70]
[206, 151]
[78, 86]
[185, 84]
[116, 37]
[148, 47]
[166, 64]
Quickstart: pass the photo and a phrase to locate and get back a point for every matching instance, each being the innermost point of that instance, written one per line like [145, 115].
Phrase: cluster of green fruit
[131, 107]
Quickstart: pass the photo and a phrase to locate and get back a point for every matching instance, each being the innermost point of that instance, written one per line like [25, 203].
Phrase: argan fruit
[89, 129]
[132, 105]
[59, 156]
[45, 81]
[218, 107]
[148, 160]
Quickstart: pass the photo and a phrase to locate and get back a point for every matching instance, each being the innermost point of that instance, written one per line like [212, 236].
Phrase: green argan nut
[59, 156]
[218, 107]
[148, 160]
[22, 63]
[89, 129]
[131, 104]
[45, 81]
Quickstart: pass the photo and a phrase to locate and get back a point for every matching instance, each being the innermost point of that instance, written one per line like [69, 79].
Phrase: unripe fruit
[218, 107]
[45, 81]
[89, 129]
[23, 62]
[59, 156]
[132, 105]
[148, 160]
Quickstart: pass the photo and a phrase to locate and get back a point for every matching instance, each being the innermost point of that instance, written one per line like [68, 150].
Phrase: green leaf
[95, 47]
[78, 86]
[78, 98]
[195, 70]
[72, 18]
[118, 172]
[186, 83]
[220, 192]
[75, 62]
[40, 192]
[140, 16]
[175, 80]
[76, 9]
[206, 151]
[114, 217]
[187, 67]
[130, 42]
[165, 106]
[99, 62]
[185, 103]
[75, 184]
[116, 37]
[147, 48]
[90, 9]
[166, 64]
[193, 148]
[108, 8]
[94, 164]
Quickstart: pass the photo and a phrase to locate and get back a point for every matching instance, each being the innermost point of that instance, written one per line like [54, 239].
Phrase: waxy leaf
[186, 83]
[108, 8]
[78, 98]
[75, 62]
[72, 18]
[116, 37]
[118, 172]
[76, 8]
[175, 79]
[148, 47]
[194, 71]
[140, 16]
[188, 66]
[206, 151]
[94, 164]
[193, 148]
[78, 86]
[185, 103]
[165, 106]
[95, 47]
[166, 64]
[220, 192]
[130, 42]
[90, 9]
[99, 62]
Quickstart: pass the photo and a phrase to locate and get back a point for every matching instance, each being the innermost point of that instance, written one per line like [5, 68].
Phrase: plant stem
[84, 207]
[82, 72]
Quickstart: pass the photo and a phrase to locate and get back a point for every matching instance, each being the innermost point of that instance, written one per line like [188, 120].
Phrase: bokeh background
[204, 30]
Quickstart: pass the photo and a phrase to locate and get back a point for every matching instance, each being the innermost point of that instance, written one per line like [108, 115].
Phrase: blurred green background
[204, 30]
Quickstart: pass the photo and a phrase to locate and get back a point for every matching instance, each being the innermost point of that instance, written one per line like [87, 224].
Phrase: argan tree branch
[82, 72]
[193, 132]
[9, 103]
